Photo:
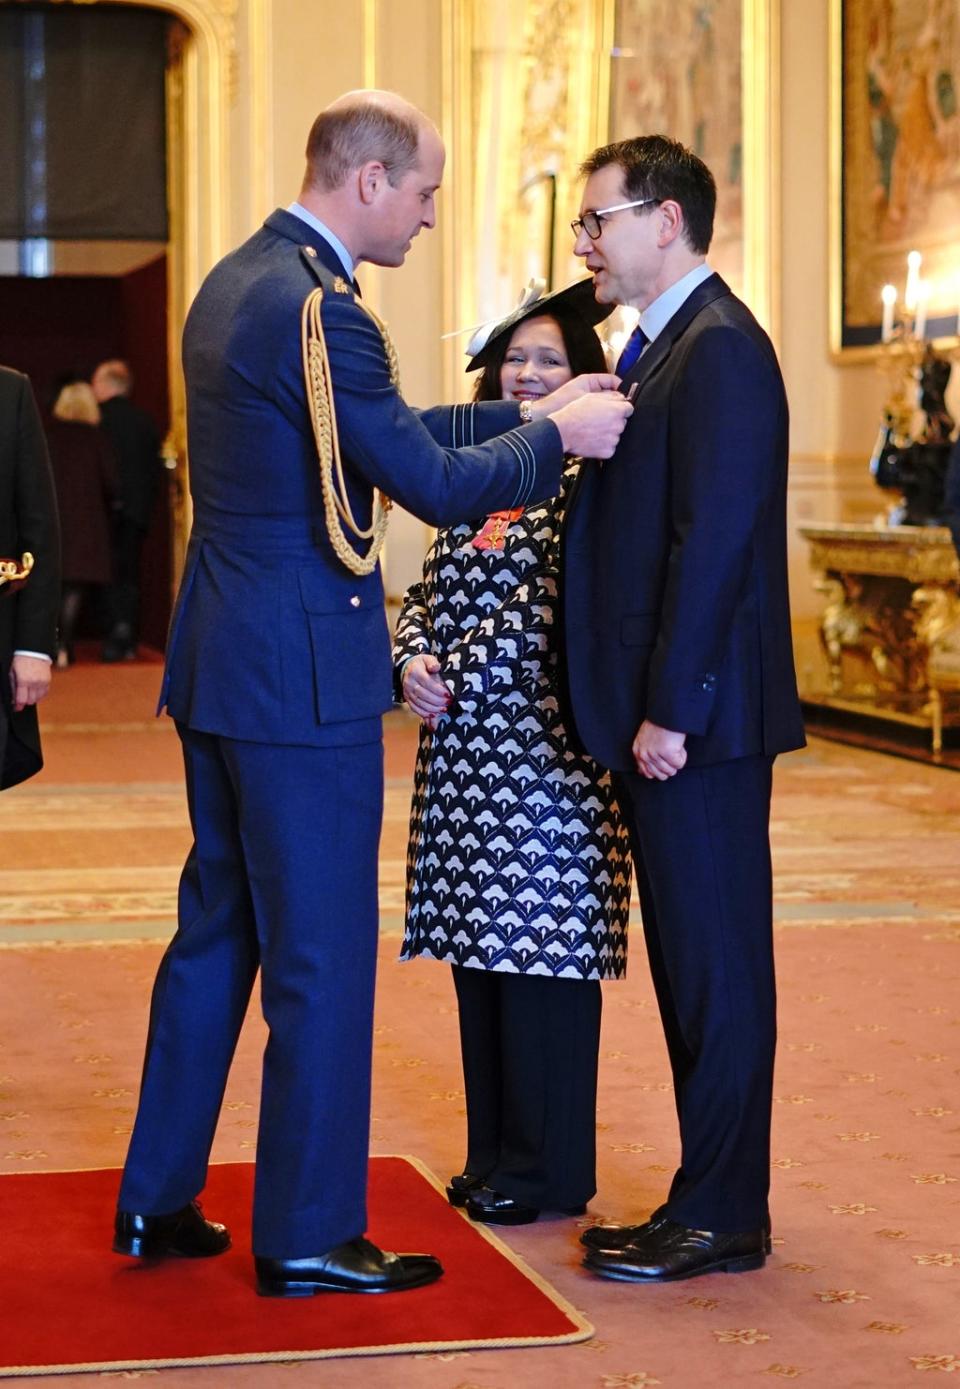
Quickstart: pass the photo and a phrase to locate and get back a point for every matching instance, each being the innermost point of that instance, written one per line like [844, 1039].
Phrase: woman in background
[518, 870]
[85, 475]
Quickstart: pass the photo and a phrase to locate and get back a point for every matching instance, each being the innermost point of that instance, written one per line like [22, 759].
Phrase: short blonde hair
[77, 403]
[358, 128]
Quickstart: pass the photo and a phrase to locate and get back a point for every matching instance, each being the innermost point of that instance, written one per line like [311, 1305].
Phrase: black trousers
[123, 599]
[530, 1047]
[701, 853]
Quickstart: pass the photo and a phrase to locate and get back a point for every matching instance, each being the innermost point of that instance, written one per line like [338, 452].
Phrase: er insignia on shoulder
[340, 286]
[309, 251]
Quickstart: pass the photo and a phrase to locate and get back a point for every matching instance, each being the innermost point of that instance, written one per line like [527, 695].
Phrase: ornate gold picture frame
[895, 166]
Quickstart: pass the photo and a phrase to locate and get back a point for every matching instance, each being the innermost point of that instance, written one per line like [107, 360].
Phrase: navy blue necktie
[635, 344]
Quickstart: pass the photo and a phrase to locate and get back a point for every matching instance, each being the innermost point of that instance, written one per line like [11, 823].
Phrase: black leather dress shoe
[610, 1237]
[493, 1208]
[664, 1252]
[615, 1237]
[355, 1267]
[460, 1187]
[184, 1233]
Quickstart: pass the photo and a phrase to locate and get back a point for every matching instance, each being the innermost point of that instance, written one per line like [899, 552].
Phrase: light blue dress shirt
[330, 237]
[657, 315]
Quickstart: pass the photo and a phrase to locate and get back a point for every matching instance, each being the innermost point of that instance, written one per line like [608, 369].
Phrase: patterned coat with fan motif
[517, 858]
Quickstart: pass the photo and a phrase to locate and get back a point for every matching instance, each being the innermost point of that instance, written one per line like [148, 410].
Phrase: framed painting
[895, 185]
[707, 73]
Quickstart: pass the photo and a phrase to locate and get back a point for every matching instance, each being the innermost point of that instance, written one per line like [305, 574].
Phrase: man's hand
[659, 752]
[423, 689]
[29, 680]
[591, 424]
[587, 384]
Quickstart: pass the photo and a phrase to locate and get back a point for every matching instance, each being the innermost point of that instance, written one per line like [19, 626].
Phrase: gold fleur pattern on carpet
[640, 1379]
[751, 1336]
[867, 931]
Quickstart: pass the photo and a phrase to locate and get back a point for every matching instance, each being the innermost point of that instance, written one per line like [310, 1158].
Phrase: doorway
[84, 230]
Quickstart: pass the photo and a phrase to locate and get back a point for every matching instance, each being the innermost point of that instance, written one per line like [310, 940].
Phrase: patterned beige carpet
[864, 1283]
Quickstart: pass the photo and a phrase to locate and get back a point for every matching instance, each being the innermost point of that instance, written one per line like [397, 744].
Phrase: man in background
[28, 607]
[136, 443]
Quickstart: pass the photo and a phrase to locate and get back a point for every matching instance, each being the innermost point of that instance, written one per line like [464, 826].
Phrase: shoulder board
[328, 281]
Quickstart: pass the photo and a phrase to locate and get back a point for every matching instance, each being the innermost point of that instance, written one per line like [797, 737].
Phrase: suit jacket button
[355, 601]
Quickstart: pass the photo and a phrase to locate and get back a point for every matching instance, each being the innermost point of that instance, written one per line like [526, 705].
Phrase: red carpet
[69, 1304]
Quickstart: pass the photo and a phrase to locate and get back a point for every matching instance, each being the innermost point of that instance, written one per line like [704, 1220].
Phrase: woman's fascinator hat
[576, 298]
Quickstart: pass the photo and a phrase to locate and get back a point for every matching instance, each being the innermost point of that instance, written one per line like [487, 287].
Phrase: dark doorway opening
[62, 327]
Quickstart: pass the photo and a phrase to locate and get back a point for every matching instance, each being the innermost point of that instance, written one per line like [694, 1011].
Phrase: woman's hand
[423, 689]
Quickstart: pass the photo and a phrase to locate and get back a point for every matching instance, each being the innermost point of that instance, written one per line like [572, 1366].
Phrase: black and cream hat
[576, 298]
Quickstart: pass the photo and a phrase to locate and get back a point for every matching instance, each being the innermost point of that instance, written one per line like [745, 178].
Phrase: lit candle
[889, 296]
[913, 280]
[920, 318]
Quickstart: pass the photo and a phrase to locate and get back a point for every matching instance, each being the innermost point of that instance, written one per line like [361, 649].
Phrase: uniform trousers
[702, 859]
[530, 1046]
[282, 876]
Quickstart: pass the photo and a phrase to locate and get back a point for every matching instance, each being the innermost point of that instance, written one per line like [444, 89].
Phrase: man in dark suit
[681, 680]
[278, 671]
[136, 444]
[28, 606]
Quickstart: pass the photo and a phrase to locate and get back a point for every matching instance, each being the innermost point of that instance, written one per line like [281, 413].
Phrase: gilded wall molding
[521, 96]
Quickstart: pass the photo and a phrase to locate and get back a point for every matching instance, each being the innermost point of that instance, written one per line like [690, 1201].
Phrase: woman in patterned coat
[518, 870]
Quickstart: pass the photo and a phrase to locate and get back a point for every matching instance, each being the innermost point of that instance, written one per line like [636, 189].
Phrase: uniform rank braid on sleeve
[321, 405]
[527, 460]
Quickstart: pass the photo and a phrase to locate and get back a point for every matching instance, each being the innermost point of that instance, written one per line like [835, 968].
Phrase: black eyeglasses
[592, 222]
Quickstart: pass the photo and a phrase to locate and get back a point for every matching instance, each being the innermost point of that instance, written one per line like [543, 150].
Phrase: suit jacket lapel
[659, 350]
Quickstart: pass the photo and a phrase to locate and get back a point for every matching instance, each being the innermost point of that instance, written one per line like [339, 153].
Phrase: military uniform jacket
[273, 639]
[28, 521]
[518, 860]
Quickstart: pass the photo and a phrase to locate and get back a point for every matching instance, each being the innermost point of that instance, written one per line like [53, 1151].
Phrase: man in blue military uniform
[278, 671]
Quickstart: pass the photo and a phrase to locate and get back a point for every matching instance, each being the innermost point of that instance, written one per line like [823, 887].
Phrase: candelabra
[911, 453]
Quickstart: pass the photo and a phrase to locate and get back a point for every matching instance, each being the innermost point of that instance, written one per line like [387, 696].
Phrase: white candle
[911, 293]
[889, 296]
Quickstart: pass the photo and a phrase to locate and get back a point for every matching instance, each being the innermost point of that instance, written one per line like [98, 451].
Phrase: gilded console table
[890, 626]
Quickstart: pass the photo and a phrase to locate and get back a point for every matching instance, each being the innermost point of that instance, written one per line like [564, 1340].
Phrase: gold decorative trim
[760, 42]
[521, 98]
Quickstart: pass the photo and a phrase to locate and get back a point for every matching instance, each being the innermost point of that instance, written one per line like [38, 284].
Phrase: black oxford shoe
[493, 1208]
[460, 1187]
[355, 1267]
[185, 1233]
[615, 1237]
[664, 1252]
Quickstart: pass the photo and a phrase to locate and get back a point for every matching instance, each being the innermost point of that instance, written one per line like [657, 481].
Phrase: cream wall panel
[407, 59]
[317, 53]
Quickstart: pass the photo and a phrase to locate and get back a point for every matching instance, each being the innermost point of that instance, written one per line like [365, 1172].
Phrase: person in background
[28, 608]
[85, 475]
[136, 443]
[518, 864]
